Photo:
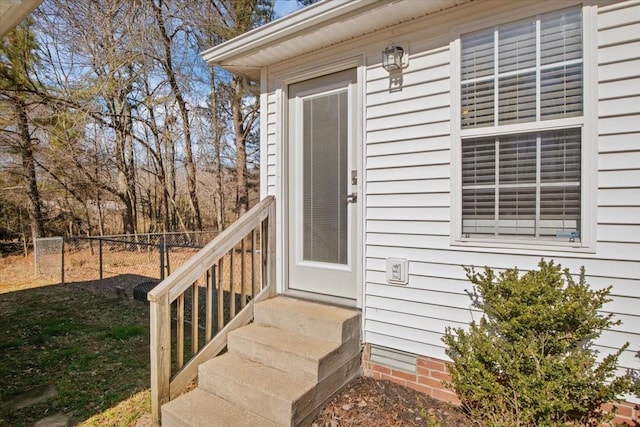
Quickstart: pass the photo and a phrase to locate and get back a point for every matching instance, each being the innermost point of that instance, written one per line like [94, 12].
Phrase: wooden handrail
[188, 272]
[202, 267]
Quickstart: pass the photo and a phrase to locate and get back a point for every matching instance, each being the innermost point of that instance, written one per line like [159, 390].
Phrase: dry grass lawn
[89, 343]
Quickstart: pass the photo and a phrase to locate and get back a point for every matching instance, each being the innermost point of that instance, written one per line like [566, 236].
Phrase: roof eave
[283, 29]
[15, 12]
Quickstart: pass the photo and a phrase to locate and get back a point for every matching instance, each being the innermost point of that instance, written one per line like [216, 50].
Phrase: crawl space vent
[394, 359]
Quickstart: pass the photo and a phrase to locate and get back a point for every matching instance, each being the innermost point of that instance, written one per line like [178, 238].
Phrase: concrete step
[201, 409]
[284, 367]
[276, 395]
[288, 351]
[314, 320]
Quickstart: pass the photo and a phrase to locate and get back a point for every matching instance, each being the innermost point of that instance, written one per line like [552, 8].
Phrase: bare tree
[166, 37]
[222, 20]
[101, 38]
[132, 120]
[18, 99]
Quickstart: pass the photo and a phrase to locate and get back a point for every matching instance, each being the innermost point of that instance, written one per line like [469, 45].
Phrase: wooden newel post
[160, 315]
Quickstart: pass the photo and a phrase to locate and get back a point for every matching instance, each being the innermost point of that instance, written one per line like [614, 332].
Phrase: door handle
[351, 198]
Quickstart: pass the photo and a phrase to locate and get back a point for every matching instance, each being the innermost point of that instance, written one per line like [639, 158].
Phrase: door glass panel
[325, 181]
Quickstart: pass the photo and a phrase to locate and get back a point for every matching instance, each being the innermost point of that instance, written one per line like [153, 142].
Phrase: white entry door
[322, 175]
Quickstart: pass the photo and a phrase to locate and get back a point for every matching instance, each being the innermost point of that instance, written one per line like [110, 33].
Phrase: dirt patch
[56, 420]
[29, 397]
[366, 402]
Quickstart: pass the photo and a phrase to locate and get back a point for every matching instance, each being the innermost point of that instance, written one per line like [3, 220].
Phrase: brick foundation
[428, 377]
[627, 413]
[430, 374]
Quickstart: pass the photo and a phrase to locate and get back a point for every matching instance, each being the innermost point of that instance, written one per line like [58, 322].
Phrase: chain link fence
[48, 255]
[153, 255]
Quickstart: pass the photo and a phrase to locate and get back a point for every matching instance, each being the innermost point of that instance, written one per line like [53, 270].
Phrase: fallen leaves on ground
[366, 402]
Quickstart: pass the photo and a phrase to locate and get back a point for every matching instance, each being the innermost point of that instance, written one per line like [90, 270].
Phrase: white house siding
[269, 161]
[407, 135]
[407, 171]
[407, 215]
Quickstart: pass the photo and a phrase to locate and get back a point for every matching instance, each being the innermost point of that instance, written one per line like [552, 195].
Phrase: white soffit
[324, 24]
[14, 11]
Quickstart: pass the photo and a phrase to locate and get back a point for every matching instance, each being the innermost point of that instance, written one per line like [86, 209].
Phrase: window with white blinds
[522, 72]
[522, 185]
[522, 181]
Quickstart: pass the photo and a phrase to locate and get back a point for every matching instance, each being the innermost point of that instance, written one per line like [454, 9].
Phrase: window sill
[544, 247]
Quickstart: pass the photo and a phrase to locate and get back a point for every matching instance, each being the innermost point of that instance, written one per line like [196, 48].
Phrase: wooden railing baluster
[254, 265]
[263, 251]
[209, 305]
[232, 284]
[220, 294]
[195, 308]
[243, 273]
[180, 332]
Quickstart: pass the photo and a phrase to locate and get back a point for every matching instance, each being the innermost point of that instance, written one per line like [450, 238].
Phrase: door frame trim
[282, 82]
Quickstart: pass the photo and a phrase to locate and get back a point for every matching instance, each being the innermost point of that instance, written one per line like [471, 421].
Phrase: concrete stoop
[278, 371]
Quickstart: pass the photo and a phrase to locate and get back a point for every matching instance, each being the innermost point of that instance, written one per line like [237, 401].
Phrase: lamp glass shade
[392, 58]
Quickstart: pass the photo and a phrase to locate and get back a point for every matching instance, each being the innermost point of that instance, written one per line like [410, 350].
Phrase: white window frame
[587, 122]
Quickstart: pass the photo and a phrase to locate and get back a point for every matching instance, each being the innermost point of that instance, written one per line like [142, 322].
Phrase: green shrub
[529, 361]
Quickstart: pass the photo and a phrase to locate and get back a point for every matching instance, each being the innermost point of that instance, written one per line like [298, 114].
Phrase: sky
[285, 7]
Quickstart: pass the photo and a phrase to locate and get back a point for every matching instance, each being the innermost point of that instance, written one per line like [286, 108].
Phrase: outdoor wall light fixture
[392, 57]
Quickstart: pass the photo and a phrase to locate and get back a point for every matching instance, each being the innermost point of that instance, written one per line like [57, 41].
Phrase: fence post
[62, 264]
[167, 254]
[100, 256]
[161, 251]
[36, 255]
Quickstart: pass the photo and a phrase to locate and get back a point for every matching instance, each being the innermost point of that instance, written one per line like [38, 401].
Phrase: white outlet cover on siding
[397, 273]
